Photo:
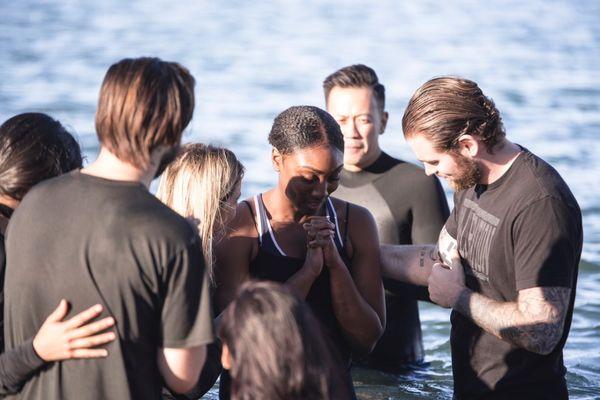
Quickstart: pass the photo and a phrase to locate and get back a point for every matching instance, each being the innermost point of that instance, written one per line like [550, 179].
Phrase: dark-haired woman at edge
[332, 262]
[35, 147]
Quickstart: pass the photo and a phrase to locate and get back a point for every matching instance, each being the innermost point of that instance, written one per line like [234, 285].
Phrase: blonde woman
[203, 184]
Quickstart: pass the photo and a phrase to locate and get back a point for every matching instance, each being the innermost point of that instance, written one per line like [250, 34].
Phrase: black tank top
[271, 263]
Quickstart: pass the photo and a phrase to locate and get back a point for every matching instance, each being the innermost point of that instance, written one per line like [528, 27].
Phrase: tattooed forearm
[408, 263]
[535, 322]
[428, 253]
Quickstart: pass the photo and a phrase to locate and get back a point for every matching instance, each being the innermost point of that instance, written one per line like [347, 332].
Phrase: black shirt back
[520, 232]
[92, 240]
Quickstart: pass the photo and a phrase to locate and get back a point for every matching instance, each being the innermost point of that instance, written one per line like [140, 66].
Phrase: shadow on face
[307, 176]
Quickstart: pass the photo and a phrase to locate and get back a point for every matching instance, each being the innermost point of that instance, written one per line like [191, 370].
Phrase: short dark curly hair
[300, 127]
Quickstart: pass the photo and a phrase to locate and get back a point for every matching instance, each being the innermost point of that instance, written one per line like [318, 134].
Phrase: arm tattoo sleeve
[535, 322]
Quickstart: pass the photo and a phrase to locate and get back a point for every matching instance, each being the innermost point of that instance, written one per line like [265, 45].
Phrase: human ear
[226, 357]
[468, 146]
[384, 121]
[276, 159]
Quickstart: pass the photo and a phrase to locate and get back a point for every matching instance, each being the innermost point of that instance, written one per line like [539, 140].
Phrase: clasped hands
[447, 281]
[321, 249]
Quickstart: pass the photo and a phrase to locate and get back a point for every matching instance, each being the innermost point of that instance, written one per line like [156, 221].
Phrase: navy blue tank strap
[347, 223]
[330, 209]
[265, 232]
[247, 203]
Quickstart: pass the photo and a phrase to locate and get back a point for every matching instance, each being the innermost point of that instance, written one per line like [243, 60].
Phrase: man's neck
[494, 166]
[108, 166]
[365, 164]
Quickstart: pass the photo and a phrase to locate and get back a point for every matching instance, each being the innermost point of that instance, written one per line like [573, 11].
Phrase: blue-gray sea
[539, 60]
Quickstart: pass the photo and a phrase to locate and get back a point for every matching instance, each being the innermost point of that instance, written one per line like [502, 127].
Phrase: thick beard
[468, 175]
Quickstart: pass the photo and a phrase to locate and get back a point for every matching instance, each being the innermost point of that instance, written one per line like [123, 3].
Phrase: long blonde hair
[197, 185]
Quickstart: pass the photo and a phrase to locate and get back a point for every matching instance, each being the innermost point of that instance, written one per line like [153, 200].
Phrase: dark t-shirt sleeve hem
[559, 281]
[187, 343]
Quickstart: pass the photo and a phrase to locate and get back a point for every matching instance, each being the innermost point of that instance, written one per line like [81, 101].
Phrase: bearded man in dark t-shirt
[510, 249]
[409, 207]
[98, 236]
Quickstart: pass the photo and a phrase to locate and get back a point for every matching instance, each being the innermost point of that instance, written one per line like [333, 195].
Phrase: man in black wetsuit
[409, 207]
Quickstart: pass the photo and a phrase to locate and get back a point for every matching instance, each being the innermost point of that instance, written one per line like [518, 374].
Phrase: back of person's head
[356, 76]
[144, 103]
[301, 127]
[199, 184]
[276, 346]
[445, 108]
[34, 147]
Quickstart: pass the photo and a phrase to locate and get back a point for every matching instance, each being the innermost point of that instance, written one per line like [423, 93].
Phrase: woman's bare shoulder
[243, 224]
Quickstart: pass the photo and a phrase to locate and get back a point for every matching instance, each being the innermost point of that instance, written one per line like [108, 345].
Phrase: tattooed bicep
[548, 304]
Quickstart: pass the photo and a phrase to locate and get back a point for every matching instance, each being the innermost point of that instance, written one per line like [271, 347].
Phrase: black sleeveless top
[271, 263]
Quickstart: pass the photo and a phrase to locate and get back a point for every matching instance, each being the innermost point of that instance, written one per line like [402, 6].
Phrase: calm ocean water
[539, 61]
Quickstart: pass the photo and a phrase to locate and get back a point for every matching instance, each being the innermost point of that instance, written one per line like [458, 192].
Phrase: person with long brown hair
[273, 346]
[115, 243]
[35, 147]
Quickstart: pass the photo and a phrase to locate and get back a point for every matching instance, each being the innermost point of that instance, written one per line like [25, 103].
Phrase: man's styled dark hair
[144, 103]
[356, 76]
[446, 108]
[34, 147]
[276, 344]
[300, 127]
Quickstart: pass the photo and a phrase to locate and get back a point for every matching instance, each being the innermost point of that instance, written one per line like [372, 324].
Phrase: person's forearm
[301, 282]
[408, 263]
[512, 322]
[360, 323]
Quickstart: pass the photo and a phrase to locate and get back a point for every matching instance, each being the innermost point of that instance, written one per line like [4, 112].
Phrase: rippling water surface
[539, 61]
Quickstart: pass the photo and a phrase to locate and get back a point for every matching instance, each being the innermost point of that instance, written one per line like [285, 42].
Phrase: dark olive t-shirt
[409, 207]
[520, 232]
[92, 240]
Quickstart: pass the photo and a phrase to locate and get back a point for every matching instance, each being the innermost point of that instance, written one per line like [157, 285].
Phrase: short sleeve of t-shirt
[545, 237]
[452, 222]
[186, 313]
